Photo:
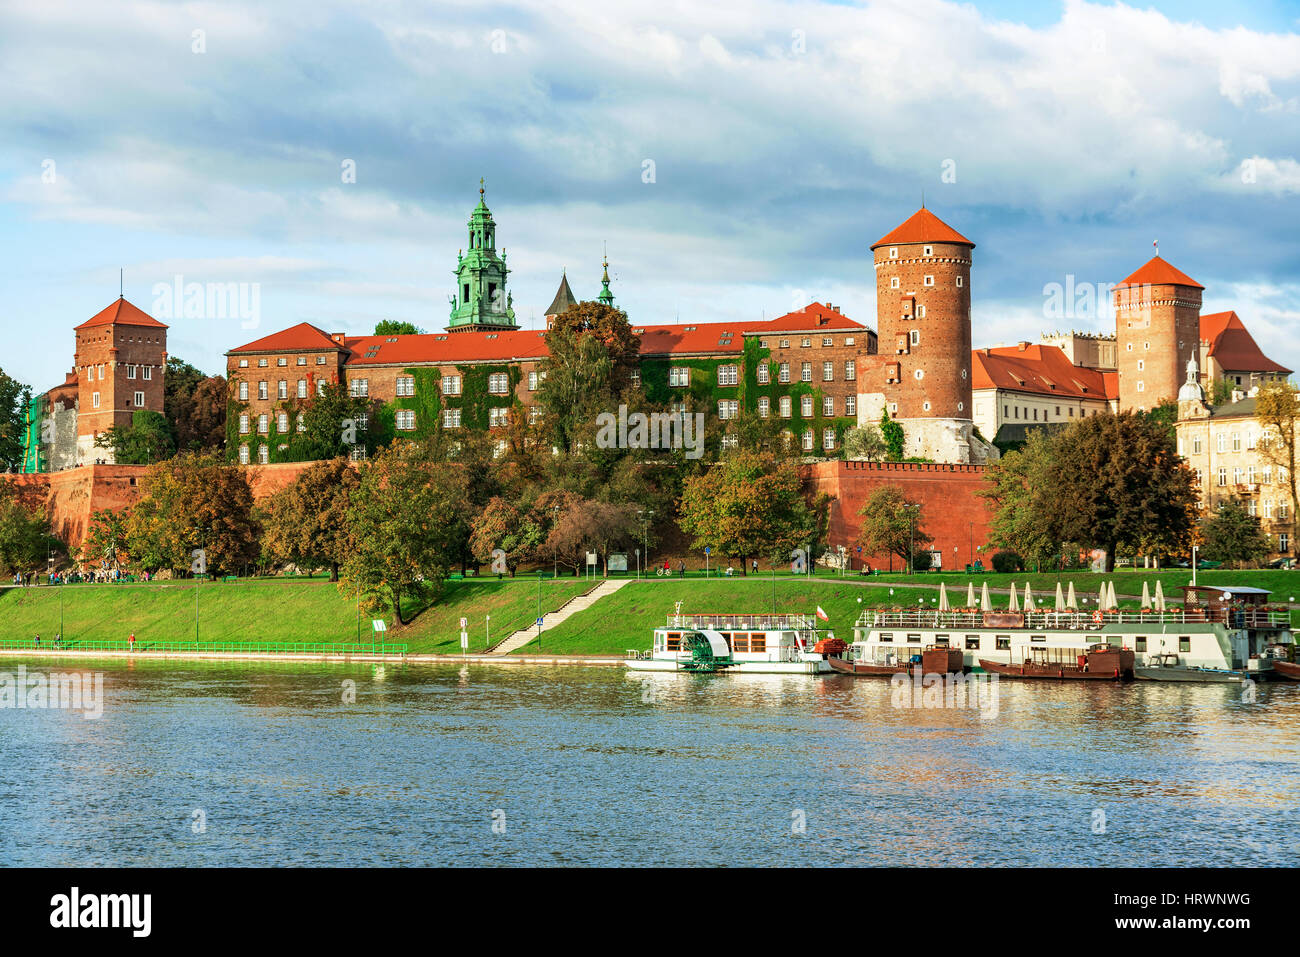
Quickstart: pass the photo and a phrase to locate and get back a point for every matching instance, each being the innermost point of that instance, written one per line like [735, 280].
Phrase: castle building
[1157, 326]
[118, 368]
[1020, 388]
[481, 301]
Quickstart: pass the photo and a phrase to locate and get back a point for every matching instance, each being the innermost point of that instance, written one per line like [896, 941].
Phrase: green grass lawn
[627, 618]
[310, 611]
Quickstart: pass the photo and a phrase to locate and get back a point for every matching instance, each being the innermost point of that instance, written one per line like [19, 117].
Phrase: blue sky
[785, 138]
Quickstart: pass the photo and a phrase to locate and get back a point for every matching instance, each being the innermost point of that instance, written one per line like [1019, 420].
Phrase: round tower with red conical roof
[1157, 327]
[923, 318]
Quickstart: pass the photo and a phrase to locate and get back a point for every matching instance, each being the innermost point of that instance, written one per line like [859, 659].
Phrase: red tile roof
[1039, 370]
[1158, 272]
[304, 337]
[922, 227]
[503, 346]
[1233, 347]
[123, 313]
[814, 317]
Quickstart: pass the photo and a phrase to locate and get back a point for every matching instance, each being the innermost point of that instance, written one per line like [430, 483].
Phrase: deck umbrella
[970, 594]
[1015, 605]
[1071, 602]
[984, 597]
[943, 597]
[1160, 596]
[1060, 598]
[1146, 595]
[1029, 598]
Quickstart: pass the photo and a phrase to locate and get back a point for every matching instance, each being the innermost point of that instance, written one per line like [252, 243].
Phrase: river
[231, 764]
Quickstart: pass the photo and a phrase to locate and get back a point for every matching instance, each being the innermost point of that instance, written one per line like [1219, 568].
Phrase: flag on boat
[821, 614]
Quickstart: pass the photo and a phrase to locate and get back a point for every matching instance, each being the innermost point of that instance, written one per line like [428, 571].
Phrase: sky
[736, 161]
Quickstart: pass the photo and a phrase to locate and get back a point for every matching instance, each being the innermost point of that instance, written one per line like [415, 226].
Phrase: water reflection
[598, 766]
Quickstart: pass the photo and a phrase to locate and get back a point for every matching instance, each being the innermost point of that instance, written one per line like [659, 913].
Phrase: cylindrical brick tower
[1157, 327]
[923, 316]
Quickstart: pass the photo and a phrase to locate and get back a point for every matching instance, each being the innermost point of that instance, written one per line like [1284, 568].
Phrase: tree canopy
[892, 525]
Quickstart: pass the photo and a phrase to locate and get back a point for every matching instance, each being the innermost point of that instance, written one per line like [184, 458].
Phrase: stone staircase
[516, 640]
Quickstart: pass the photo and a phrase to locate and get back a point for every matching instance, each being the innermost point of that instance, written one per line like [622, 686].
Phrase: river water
[213, 763]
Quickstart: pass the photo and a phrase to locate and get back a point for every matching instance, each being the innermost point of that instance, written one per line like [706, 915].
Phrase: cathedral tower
[481, 301]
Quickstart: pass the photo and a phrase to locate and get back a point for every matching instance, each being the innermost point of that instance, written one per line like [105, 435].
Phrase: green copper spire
[481, 301]
[606, 297]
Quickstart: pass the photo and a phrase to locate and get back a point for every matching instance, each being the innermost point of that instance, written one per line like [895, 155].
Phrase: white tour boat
[743, 644]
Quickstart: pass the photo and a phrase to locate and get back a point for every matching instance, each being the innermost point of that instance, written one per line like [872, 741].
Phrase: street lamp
[555, 558]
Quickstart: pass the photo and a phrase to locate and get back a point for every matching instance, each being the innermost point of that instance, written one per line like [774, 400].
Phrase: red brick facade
[1157, 324]
[120, 359]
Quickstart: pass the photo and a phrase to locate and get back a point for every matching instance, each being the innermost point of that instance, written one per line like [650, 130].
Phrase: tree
[306, 522]
[1277, 410]
[751, 504]
[892, 525]
[146, 440]
[608, 327]
[332, 425]
[25, 537]
[203, 427]
[194, 502]
[407, 516]
[1108, 481]
[1231, 534]
[589, 525]
[105, 543]
[577, 383]
[392, 327]
[14, 399]
[892, 433]
[867, 444]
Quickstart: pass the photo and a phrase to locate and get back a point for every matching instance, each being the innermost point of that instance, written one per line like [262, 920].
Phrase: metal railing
[209, 647]
[1073, 620]
[744, 622]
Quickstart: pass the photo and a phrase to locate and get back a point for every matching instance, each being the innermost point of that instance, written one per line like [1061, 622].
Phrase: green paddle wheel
[702, 660]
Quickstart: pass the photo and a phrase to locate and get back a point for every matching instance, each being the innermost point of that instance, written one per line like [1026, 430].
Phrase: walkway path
[523, 636]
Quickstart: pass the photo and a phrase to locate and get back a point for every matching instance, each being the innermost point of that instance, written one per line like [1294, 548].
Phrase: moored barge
[739, 644]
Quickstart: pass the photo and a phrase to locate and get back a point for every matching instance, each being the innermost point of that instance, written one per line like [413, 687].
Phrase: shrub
[1004, 562]
[922, 561]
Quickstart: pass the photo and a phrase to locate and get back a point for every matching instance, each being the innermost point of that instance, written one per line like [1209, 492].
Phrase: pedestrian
[130, 642]
[681, 568]
[38, 641]
[58, 642]
[755, 566]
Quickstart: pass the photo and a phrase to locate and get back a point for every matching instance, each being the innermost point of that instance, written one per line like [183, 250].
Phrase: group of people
[58, 642]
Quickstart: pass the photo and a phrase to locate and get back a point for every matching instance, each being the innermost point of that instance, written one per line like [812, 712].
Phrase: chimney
[1023, 346]
[339, 337]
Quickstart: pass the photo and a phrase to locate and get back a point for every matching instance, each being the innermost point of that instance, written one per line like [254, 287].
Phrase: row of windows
[1013, 412]
[138, 400]
[894, 282]
[97, 372]
[282, 361]
[1221, 442]
[805, 372]
[805, 406]
[281, 389]
[807, 341]
[1248, 476]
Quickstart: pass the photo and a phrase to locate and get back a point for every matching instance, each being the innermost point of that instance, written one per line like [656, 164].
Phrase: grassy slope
[270, 611]
[627, 618]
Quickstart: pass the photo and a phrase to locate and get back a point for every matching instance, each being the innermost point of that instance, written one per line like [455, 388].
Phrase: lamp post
[1194, 550]
[555, 555]
[972, 543]
[912, 509]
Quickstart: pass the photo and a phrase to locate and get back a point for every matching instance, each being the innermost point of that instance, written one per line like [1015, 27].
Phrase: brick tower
[1157, 326]
[120, 360]
[923, 315]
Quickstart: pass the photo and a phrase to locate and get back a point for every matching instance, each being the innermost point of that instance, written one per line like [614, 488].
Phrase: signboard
[464, 624]
[591, 559]
[1003, 619]
[464, 641]
[706, 549]
[618, 562]
[539, 622]
[378, 624]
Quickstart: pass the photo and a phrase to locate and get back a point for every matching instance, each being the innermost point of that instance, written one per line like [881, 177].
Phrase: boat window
[758, 641]
[1002, 642]
[674, 641]
[941, 641]
[972, 642]
[1140, 642]
[1184, 643]
[740, 642]
[1037, 637]
[912, 638]
[887, 636]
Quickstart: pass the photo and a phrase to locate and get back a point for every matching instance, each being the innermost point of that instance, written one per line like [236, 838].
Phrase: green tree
[867, 444]
[393, 327]
[1277, 410]
[609, 327]
[751, 504]
[577, 385]
[892, 433]
[590, 525]
[106, 540]
[14, 399]
[306, 523]
[891, 524]
[1023, 498]
[194, 502]
[407, 516]
[146, 440]
[334, 421]
[25, 537]
[1229, 533]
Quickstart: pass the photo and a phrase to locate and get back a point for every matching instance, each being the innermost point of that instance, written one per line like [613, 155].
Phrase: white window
[263, 424]
[807, 440]
[785, 407]
[920, 312]
[893, 252]
[405, 420]
[405, 385]
[282, 423]
[94, 400]
[1142, 365]
[805, 342]
[302, 388]
[1196, 445]
[263, 454]
[243, 454]
[320, 386]
[919, 374]
[635, 376]
[828, 439]
[243, 391]
[914, 337]
[828, 371]
[261, 363]
[925, 406]
[731, 441]
[764, 406]
[498, 416]
[827, 341]
[302, 422]
[243, 364]
[805, 372]
[959, 282]
[139, 400]
[302, 360]
[534, 414]
[764, 373]
[850, 405]
[679, 376]
[451, 418]
[850, 370]
[1223, 475]
[1141, 386]
[848, 340]
[130, 372]
[928, 251]
[828, 405]
[451, 385]
[359, 387]
[282, 361]
[498, 383]
[532, 380]
[262, 390]
[243, 424]
[893, 282]
[728, 375]
[282, 389]
[1222, 441]
[805, 406]
[783, 372]
[728, 408]
[320, 360]
[928, 281]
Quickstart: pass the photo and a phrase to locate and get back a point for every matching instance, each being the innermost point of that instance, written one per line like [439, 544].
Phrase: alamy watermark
[208, 300]
[57, 690]
[654, 430]
[930, 691]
